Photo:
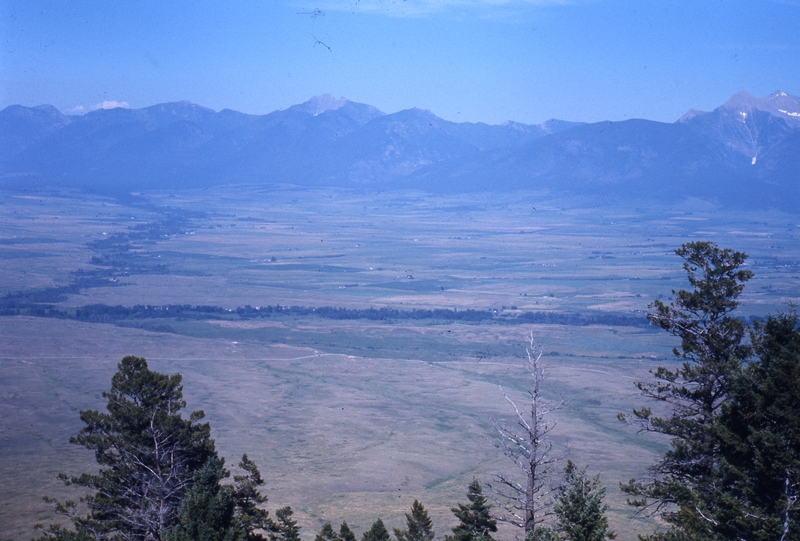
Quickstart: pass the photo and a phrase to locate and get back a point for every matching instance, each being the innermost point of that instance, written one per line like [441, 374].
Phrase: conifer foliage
[160, 476]
[377, 532]
[208, 508]
[579, 507]
[327, 533]
[681, 487]
[475, 521]
[419, 526]
[250, 518]
[285, 527]
[148, 455]
[215, 512]
[760, 439]
[346, 533]
[733, 470]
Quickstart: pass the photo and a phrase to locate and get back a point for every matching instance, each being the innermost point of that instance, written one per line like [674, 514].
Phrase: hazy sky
[465, 60]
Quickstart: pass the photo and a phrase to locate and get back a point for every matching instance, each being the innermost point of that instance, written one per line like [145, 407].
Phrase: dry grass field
[353, 419]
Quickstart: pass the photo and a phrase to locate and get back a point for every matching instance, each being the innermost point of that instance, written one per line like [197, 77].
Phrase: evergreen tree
[147, 453]
[346, 533]
[760, 435]
[249, 516]
[579, 508]
[208, 508]
[712, 352]
[327, 533]
[475, 522]
[419, 526]
[215, 512]
[543, 532]
[285, 528]
[377, 532]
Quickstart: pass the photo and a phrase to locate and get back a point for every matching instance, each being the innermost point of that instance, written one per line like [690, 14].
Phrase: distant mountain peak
[319, 104]
[741, 101]
[690, 114]
[778, 104]
[174, 106]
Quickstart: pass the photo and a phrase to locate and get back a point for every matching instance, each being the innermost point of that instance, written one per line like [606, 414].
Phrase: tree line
[731, 415]
[40, 305]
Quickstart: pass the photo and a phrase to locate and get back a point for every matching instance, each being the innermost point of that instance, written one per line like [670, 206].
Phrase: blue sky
[465, 60]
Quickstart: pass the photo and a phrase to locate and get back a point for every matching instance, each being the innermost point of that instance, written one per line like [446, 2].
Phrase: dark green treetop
[683, 485]
[579, 507]
[285, 527]
[160, 476]
[148, 455]
[759, 494]
[419, 526]
[327, 533]
[346, 533]
[377, 532]
[208, 508]
[250, 518]
[475, 522]
[711, 338]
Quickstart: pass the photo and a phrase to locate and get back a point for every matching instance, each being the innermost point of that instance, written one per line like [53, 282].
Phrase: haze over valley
[348, 330]
[387, 246]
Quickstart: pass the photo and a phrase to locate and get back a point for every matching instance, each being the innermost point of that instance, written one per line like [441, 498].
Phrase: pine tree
[215, 512]
[475, 522]
[712, 352]
[327, 533]
[760, 435]
[377, 532]
[208, 508]
[543, 532]
[147, 453]
[579, 508]
[346, 533]
[419, 526]
[160, 476]
[285, 527]
[249, 516]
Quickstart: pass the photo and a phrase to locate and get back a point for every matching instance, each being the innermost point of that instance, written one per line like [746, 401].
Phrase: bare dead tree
[526, 496]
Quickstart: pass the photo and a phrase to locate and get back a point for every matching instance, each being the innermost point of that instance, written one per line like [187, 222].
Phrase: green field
[350, 418]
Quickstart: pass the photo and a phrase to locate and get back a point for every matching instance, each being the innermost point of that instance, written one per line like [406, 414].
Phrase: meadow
[351, 418]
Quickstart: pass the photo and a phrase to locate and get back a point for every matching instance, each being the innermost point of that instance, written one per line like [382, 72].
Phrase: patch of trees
[114, 252]
[733, 413]
[579, 320]
[373, 314]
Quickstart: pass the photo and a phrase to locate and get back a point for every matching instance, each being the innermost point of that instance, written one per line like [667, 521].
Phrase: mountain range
[744, 153]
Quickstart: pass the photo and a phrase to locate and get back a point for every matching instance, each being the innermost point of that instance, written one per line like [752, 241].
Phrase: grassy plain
[353, 419]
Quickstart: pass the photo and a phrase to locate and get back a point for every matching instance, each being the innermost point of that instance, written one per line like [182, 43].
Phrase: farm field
[349, 417]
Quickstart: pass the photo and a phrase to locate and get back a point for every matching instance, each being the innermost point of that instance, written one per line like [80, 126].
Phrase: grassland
[351, 419]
